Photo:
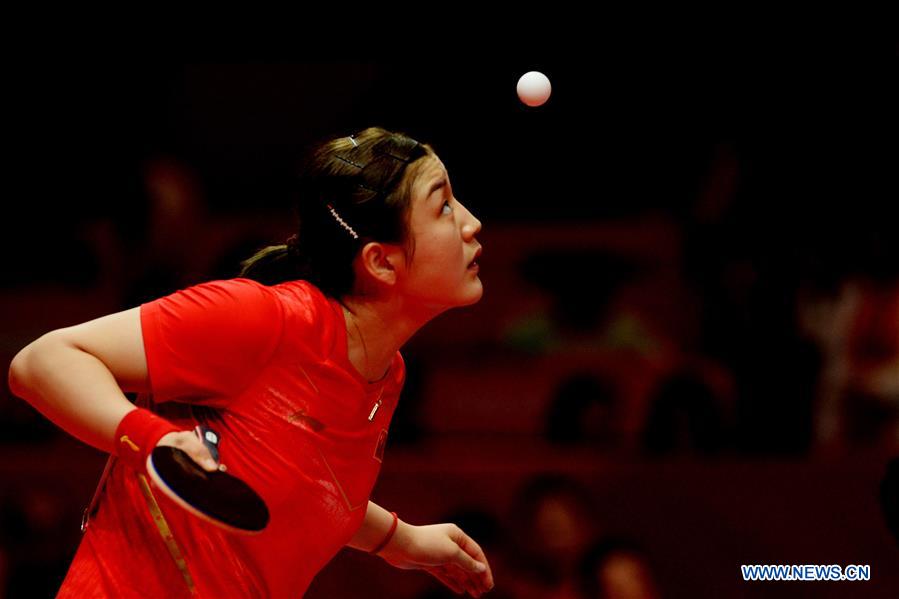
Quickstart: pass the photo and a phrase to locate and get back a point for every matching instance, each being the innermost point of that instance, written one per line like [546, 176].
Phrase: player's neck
[376, 330]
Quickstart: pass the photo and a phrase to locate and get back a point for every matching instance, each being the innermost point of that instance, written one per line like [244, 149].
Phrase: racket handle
[210, 439]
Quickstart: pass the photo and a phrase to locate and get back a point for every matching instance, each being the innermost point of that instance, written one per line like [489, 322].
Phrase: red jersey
[267, 368]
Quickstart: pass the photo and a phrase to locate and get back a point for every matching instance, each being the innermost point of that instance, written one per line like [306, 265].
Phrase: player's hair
[351, 190]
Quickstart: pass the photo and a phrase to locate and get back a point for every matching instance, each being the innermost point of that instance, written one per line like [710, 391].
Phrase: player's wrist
[136, 436]
[388, 536]
[398, 543]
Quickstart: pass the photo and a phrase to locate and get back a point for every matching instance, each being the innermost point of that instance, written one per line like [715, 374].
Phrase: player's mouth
[473, 265]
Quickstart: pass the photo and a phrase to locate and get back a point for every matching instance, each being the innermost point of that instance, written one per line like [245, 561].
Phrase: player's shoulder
[307, 305]
[294, 292]
[312, 317]
[231, 287]
[301, 292]
[218, 293]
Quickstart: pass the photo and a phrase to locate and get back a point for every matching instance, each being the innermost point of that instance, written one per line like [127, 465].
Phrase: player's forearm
[72, 388]
[375, 527]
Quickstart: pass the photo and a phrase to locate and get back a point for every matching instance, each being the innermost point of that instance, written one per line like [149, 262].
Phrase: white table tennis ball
[534, 88]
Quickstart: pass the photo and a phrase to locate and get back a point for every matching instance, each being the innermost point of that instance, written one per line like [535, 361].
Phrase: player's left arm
[442, 550]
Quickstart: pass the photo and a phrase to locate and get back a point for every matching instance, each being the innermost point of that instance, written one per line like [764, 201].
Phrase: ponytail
[270, 265]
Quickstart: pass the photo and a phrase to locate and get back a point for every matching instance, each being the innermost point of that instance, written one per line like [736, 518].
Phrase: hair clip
[350, 162]
[342, 222]
[394, 156]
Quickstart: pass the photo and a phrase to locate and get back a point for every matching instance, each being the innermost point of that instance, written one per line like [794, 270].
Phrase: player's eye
[446, 205]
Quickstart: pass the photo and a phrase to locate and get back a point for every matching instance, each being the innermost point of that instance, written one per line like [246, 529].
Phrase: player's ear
[381, 261]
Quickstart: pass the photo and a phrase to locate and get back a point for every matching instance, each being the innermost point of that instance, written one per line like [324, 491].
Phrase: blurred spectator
[873, 354]
[630, 297]
[164, 248]
[615, 568]
[856, 328]
[552, 521]
[685, 416]
[739, 257]
[577, 314]
[583, 411]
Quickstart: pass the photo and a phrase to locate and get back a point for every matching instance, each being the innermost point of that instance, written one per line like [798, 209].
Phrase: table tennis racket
[216, 497]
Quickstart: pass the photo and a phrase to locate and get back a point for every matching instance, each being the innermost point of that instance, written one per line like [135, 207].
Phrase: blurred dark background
[687, 353]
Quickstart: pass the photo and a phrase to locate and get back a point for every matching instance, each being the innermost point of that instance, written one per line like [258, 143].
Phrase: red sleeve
[208, 342]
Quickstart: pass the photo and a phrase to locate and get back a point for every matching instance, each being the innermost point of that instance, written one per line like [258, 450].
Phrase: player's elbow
[21, 369]
[18, 371]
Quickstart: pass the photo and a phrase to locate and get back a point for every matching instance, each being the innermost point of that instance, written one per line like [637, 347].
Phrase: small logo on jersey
[379, 448]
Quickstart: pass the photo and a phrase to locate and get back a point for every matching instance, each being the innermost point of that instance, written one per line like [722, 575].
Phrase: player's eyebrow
[440, 183]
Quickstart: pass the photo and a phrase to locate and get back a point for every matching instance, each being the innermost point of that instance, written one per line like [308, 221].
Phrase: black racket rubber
[217, 497]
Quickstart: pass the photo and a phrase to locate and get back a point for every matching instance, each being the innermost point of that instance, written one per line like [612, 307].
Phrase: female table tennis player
[295, 364]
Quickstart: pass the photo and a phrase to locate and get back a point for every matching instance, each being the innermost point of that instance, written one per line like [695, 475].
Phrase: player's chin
[474, 291]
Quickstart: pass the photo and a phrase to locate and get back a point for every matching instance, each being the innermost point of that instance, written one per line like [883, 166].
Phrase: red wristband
[389, 534]
[137, 434]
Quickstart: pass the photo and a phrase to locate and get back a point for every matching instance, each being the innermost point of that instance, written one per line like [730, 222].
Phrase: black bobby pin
[350, 162]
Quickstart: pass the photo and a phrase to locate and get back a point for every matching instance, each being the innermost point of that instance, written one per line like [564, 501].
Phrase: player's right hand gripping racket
[216, 497]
